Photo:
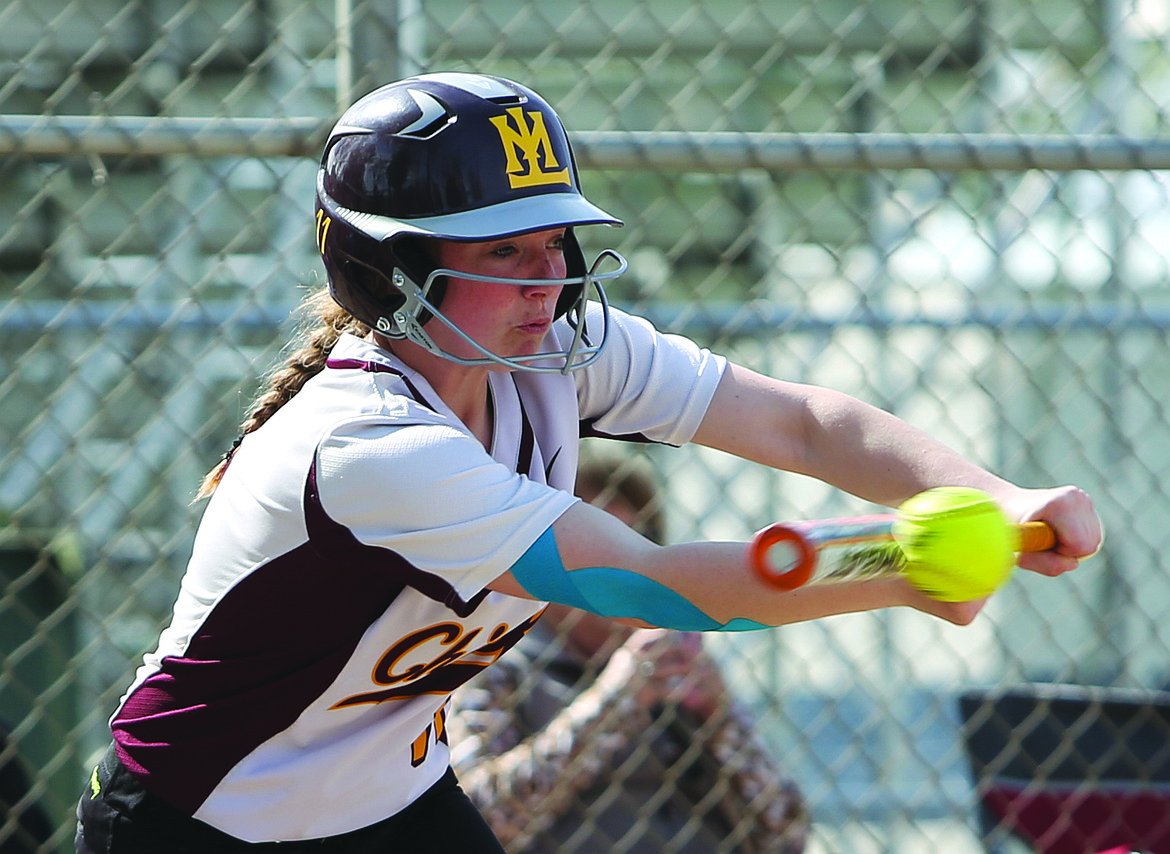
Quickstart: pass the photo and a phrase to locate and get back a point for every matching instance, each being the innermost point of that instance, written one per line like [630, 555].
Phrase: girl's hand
[1070, 512]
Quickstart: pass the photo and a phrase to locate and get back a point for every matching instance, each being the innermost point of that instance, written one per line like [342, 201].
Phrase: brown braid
[323, 322]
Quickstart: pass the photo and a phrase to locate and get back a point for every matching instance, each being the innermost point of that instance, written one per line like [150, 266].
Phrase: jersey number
[322, 230]
[421, 746]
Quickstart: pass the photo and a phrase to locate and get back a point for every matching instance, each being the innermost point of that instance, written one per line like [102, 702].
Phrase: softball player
[400, 508]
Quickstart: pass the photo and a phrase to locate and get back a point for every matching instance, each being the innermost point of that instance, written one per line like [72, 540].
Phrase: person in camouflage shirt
[590, 737]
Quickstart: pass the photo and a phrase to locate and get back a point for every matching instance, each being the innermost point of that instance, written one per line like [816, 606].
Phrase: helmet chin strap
[581, 352]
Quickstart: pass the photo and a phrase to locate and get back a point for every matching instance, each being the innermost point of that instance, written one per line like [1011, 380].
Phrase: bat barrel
[782, 556]
[788, 556]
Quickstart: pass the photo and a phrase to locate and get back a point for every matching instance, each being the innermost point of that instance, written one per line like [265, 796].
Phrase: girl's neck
[464, 389]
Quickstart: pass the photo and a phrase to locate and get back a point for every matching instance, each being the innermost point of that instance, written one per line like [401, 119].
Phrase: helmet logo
[433, 119]
[524, 145]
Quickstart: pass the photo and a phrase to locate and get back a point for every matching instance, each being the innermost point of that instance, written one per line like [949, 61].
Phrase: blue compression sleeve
[614, 593]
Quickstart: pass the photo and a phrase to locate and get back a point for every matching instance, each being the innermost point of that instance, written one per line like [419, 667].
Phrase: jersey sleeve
[432, 494]
[646, 383]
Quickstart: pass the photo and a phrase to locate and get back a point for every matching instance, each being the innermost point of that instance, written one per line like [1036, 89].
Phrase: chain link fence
[956, 210]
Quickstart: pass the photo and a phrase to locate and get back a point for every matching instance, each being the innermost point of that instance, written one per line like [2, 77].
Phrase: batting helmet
[462, 157]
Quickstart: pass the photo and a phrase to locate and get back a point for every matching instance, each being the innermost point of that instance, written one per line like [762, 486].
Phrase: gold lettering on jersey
[530, 158]
[322, 231]
[421, 746]
[447, 634]
[436, 660]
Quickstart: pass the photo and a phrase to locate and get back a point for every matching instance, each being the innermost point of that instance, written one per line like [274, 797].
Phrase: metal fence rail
[685, 151]
[958, 211]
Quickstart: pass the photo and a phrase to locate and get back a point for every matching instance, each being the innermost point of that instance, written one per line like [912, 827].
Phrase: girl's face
[509, 320]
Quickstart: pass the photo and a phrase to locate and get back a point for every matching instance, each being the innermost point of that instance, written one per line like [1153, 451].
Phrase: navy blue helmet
[454, 156]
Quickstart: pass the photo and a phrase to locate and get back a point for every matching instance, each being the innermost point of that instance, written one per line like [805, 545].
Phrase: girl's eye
[508, 250]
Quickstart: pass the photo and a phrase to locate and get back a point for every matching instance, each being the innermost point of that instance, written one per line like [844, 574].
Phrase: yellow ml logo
[524, 145]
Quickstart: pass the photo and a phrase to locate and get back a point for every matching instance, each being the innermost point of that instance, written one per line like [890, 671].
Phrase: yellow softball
[958, 543]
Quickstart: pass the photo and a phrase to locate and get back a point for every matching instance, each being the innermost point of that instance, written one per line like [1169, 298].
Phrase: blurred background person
[552, 770]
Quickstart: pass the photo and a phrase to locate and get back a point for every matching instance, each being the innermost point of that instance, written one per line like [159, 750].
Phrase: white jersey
[336, 593]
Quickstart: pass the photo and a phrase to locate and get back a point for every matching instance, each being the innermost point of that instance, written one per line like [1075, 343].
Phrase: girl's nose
[545, 265]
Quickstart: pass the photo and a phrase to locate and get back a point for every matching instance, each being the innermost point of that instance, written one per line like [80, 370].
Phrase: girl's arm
[878, 457]
[592, 561]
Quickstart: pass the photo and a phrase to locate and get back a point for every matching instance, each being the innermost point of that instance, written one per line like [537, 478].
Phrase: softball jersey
[336, 593]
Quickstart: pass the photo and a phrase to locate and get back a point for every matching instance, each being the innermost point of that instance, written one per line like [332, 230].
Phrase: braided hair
[323, 322]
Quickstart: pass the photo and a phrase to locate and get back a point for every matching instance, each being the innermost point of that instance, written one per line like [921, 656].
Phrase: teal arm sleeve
[613, 593]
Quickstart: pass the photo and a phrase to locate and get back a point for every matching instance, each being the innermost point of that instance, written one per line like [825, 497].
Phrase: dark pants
[126, 819]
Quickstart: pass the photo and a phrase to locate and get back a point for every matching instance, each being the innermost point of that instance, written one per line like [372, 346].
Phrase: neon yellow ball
[958, 543]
